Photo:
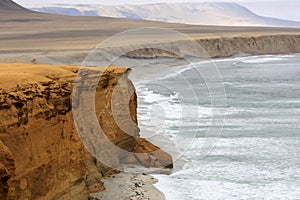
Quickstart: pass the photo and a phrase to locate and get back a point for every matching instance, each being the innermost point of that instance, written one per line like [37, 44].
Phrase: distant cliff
[225, 47]
[259, 45]
[41, 154]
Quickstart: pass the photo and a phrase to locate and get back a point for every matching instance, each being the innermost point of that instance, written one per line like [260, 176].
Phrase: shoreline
[214, 46]
[162, 184]
[137, 187]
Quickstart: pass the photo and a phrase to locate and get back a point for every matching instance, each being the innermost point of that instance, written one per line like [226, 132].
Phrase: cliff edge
[225, 46]
[41, 154]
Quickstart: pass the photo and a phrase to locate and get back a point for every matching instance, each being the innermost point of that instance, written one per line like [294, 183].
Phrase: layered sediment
[223, 46]
[41, 153]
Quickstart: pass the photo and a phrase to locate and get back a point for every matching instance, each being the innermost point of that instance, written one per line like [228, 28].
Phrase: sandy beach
[129, 186]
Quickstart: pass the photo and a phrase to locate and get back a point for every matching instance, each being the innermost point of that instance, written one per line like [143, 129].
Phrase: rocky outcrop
[41, 154]
[223, 47]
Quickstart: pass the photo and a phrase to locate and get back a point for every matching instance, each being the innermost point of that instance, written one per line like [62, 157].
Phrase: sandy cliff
[224, 46]
[41, 154]
[255, 45]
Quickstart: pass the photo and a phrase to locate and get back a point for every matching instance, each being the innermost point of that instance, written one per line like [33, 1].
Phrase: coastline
[23, 91]
[215, 47]
[150, 189]
[162, 184]
[55, 48]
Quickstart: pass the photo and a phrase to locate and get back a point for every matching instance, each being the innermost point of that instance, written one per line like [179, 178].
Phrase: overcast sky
[116, 2]
[287, 9]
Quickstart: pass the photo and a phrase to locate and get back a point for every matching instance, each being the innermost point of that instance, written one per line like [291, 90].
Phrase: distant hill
[220, 14]
[8, 5]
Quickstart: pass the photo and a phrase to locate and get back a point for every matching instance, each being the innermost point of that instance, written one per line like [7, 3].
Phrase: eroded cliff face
[256, 45]
[223, 47]
[41, 154]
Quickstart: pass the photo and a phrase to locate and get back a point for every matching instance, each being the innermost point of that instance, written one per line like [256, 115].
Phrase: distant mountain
[224, 14]
[8, 5]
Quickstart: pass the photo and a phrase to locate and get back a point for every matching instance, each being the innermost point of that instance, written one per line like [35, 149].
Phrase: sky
[287, 9]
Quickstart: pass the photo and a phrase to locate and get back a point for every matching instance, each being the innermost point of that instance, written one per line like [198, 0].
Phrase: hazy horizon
[270, 8]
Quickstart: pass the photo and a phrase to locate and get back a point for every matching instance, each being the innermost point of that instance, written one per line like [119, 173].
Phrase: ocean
[254, 152]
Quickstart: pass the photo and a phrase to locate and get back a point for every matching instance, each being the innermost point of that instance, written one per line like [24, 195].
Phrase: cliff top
[14, 74]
